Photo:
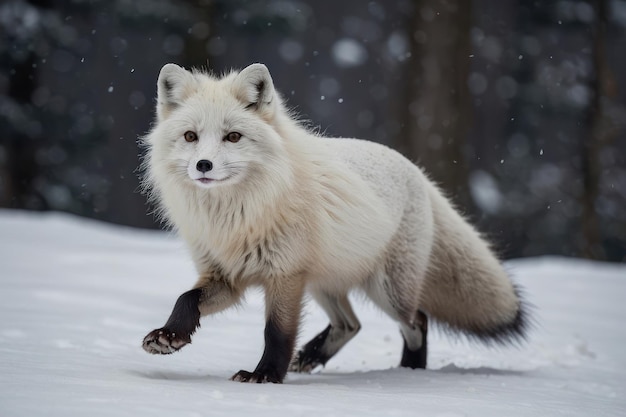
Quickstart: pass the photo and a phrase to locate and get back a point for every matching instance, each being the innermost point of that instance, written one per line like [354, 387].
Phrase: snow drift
[78, 297]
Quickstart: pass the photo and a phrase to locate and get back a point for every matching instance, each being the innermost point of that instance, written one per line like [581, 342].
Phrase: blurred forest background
[516, 107]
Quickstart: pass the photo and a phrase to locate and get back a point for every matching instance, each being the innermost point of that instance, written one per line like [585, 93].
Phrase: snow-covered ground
[78, 296]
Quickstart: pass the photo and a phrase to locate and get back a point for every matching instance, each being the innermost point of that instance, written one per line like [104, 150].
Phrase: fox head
[213, 133]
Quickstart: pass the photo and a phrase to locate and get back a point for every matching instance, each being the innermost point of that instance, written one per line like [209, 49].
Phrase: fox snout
[204, 165]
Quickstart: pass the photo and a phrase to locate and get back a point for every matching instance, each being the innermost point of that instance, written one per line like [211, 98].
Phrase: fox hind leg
[343, 326]
[415, 347]
[399, 298]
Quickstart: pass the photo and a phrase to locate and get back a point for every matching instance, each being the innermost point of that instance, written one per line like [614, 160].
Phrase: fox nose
[204, 165]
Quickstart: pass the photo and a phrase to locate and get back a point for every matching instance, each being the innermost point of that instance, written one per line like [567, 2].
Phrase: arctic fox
[262, 201]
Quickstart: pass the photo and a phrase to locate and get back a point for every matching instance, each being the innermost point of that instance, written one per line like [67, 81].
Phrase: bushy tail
[466, 287]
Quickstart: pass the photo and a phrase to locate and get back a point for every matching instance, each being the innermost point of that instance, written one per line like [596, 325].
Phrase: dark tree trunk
[597, 137]
[22, 167]
[437, 104]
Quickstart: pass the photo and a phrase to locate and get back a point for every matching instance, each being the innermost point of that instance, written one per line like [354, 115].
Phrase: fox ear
[254, 87]
[173, 86]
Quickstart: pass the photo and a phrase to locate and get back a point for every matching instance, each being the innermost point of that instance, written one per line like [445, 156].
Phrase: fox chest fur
[326, 223]
[244, 242]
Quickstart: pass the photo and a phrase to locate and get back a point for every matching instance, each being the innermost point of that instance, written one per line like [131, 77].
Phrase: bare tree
[599, 133]
[438, 108]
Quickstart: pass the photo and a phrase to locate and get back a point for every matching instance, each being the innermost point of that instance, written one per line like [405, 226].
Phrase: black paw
[257, 377]
[163, 341]
[306, 362]
[416, 359]
[311, 356]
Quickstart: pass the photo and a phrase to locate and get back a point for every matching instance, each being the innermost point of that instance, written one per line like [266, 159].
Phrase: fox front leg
[209, 296]
[283, 306]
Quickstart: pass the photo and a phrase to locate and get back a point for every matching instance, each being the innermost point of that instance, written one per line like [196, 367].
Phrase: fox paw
[304, 363]
[163, 341]
[256, 377]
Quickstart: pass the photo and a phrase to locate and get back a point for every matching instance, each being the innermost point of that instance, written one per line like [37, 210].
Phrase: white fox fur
[283, 206]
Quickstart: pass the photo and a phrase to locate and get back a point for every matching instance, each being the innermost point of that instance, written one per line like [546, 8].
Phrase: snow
[78, 296]
[290, 50]
[348, 52]
[477, 83]
[484, 190]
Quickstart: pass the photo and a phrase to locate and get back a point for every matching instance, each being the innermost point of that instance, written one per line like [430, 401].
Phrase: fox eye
[190, 136]
[233, 137]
